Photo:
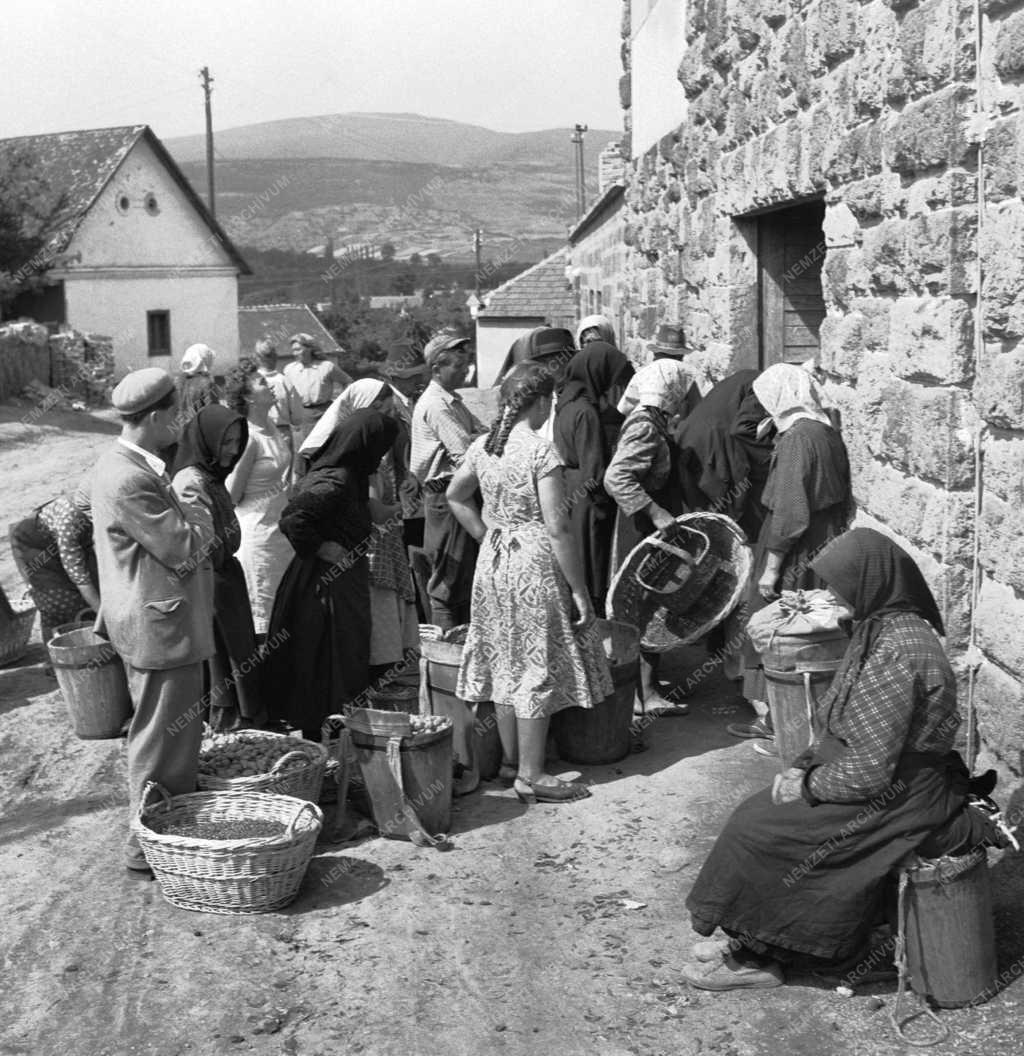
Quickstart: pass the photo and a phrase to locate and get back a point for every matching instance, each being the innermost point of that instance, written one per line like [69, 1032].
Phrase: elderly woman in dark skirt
[594, 380]
[210, 447]
[799, 870]
[319, 633]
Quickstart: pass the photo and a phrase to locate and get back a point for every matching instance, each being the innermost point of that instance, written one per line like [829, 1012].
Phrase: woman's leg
[533, 739]
[508, 733]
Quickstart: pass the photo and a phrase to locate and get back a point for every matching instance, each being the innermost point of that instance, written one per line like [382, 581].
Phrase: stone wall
[875, 108]
[24, 357]
[82, 365]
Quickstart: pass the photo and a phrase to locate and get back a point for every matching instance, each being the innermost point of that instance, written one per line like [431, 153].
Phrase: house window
[158, 333]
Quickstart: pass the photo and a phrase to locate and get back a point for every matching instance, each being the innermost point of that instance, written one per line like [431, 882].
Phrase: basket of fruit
[227, 852]
[259, 761]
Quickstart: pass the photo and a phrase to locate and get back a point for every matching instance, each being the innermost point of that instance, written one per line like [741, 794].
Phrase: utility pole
[207, 80]
[581, 186]
[477, 237]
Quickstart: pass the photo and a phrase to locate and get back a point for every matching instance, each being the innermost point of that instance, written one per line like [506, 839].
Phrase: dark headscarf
[878, 578]
[201, 440]
[592, 372]
[356, 445]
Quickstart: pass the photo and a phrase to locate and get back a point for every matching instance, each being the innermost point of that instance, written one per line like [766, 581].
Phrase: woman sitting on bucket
[799, 871]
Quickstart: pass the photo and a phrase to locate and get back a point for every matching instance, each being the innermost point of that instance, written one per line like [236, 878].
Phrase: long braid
[523, 386]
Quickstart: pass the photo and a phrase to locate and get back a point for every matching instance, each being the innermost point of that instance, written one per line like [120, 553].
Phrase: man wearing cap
[407, 375]
[443, 427]
[156, 590]
[286, 414]
[551, 346]
[313, 377]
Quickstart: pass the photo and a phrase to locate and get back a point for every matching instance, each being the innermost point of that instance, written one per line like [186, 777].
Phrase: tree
[434, 260]
[387, 251]
[404, 282]
[415, 260]
[28, 210]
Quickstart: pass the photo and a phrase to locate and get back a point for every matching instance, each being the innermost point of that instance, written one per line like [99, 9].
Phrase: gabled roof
[541, 292]
[279, 322]
[79, 165]
[595, 215]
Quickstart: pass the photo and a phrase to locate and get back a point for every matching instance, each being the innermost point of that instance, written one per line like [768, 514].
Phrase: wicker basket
[14, 634]
[298, 773]
[256, 874]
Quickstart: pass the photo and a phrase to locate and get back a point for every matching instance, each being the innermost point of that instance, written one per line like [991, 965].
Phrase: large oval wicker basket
[299, 772]
[250, 874]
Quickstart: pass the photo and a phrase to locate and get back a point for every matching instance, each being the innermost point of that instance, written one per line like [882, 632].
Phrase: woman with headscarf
[593, 382]
[209, 449]
[53, 551]
[258, 486]
[807, 498]
[394, 637]
[319, 636]
[195, 384]
[525, 650]
[594, 328]
[799, 869]
[643, 481]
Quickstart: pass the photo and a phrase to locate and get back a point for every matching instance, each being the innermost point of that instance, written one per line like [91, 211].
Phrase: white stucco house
[136, 254]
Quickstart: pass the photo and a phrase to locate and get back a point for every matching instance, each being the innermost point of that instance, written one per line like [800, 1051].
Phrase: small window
[152, 206]
[158, 333]
[124, 203]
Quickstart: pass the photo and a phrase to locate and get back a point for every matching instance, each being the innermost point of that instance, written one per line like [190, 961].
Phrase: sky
[509, 65]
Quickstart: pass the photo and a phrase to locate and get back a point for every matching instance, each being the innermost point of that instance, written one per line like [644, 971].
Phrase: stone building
[841, 179]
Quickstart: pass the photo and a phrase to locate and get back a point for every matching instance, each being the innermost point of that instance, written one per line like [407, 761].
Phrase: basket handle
[684, 555]
[148, 789]
[290, 833]
[288, 757]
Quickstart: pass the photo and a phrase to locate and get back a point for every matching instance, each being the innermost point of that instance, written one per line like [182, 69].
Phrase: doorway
[790, 252]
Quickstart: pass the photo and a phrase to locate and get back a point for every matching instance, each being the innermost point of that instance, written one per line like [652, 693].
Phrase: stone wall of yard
[880, 109]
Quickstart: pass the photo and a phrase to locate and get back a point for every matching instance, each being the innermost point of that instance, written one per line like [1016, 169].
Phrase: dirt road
[545, 930]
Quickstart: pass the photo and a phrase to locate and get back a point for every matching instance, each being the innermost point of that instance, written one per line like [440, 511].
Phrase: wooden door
[791, 249]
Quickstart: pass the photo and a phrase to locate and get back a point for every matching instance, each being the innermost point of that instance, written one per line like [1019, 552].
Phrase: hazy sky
[511, 65]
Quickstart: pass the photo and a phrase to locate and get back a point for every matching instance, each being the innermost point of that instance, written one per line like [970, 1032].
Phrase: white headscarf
[356, 397]
[600, 323]
[197, 359]
[788, 393]
[663, 383]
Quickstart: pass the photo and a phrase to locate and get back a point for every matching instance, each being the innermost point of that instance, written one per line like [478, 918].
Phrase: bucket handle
[901, 968]
[290, 833]
[418, 834]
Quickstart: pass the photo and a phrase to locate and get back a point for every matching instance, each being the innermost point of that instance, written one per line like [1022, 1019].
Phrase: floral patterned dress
[521, 649]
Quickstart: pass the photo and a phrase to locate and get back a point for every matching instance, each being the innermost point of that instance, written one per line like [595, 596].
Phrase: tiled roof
[541, 292]
[279, 322]
[79, 165]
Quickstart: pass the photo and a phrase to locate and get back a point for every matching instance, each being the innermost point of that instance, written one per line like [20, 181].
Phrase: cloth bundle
[796, 612]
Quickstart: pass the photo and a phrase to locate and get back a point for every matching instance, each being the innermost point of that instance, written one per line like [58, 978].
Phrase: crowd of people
[262, 550]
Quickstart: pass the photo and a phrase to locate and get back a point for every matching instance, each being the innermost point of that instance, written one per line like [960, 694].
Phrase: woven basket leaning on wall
[216, 873]
[15, 633]
[298, 773]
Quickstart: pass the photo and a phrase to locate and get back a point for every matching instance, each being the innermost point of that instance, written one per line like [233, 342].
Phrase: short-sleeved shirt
[287, 412]
[443, 427]
[315, 383]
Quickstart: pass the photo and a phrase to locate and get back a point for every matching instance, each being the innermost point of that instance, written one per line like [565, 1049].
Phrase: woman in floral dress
[526, 649]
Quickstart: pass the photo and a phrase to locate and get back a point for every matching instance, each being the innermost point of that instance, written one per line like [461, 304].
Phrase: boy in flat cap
[156, 587]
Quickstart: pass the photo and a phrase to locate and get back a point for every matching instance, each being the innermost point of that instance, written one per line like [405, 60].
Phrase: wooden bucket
[426, 780]
[93, 682]
[951, 946]
[797, 671]
[475, 740]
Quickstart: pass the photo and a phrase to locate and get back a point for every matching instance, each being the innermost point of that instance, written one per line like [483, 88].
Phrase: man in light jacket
[156, 589]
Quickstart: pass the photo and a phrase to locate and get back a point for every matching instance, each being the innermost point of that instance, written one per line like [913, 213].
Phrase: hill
[422, 184]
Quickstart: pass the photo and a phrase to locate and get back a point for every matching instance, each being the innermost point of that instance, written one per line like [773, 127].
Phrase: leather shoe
[559, 792]
[729, 974]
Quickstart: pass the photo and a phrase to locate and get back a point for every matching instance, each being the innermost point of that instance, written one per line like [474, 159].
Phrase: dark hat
[141, 389]
[549, 341]
[670, 340]
[403, 361]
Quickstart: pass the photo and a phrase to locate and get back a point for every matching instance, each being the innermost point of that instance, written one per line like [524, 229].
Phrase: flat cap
[442, 342]
[141, 389]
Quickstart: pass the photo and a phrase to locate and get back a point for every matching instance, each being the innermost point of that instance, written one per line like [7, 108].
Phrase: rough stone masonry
[882, 109]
